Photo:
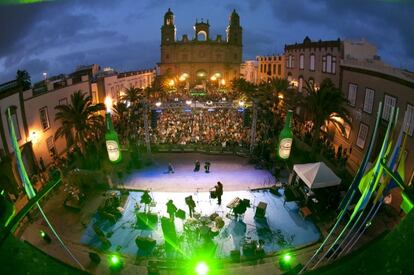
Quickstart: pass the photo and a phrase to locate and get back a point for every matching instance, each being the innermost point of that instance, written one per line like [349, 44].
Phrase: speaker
[249, 249]
[145, 243]
[154, 119]
[235, 256]
[168, 229]
[146, 220]
[180, 214]
[260, 210]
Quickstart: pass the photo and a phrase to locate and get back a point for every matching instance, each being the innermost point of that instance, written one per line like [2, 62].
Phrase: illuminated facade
[248, 71]
[365, 84]
[272, 66]
[313, 61]
[201, 59]
[33, 114]
[113, 84]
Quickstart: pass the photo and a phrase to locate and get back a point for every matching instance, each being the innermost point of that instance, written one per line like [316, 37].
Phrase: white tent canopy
[316, 175]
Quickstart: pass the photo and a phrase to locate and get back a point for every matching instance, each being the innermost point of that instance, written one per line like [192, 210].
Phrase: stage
[282, 227]
[234, 172]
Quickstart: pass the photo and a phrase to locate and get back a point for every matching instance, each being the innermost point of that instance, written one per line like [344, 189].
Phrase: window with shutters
[389, 102]
[50, 143]
[44, 118]
[301, 62]
[369, 100]
[312, 62]
[408, 123]
[352, 92]
[362, 135]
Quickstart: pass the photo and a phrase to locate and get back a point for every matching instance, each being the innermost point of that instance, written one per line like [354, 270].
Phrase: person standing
[219, 191]
[191, 205]
[207, 166]
[171, 209]
[197, 166]
[170, 168]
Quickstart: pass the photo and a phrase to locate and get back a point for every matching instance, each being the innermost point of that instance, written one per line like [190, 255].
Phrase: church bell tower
[234, 30]
[168, 29]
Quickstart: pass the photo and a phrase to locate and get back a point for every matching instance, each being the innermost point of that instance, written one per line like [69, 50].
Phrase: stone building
[33, 114]
[249, 71]
[272, 66]
[113, 84]
[366, 83]
[313, 61]
[201, 58]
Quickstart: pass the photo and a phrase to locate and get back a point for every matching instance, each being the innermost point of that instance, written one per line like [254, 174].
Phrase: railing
[196, 104]
[201, 148]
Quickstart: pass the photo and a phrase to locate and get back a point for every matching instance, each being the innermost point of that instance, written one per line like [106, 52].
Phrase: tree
[121, 114]
[23, 79]
[324, 106]
[133, 95]
[80, 120]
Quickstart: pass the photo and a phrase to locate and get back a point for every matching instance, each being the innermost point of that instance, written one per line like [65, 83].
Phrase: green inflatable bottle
[286, 138]
[112, 141]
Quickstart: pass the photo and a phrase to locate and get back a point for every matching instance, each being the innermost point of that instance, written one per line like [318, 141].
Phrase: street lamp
[158, 104]
[241, 103]
[188, 102]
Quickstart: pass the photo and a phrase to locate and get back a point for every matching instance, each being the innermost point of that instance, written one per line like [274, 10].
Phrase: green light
[201, 268]
[287, 258]
[115, 260]
[42, 233]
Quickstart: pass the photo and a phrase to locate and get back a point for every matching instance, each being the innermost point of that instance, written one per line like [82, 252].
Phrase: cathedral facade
[201, 59]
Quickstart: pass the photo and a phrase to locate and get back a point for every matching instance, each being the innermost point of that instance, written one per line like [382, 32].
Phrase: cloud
[57, 36]
[386, 24]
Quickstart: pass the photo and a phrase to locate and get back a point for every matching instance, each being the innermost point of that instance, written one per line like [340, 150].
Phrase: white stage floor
[234, 172]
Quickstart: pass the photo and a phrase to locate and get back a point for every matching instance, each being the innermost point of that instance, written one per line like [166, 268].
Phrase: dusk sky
[55, 37]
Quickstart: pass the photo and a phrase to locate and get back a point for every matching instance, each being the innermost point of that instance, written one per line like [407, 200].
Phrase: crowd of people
[222, 127]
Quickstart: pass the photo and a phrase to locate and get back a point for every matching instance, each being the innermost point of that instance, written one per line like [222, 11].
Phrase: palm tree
[80, 120]
[133, 95]
[23, 79]
[121, 114]
[324, 106]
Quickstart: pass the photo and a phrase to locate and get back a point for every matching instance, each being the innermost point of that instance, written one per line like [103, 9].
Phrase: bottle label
[113, 150]
[284, 148]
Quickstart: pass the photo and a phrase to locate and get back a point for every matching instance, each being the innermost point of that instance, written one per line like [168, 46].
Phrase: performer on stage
[191, 204]
[207, 166]
[197, 166]
[146, 200]
[219, 191]
[171, 209]
[170, 168]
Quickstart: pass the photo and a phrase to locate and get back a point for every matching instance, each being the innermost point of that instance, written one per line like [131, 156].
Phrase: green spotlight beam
[28, 186]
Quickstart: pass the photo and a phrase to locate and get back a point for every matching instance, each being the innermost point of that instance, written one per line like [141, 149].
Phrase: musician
[197, 166]
[207, 166]
[170, 168]
[219, 191]
[171, 209]
[191, 205]
[146, 199]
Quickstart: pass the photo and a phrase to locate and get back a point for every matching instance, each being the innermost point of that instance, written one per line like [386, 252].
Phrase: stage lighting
[286, 261]
[115, 262]
[45, 236]
[287, 258]
[201, 268]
